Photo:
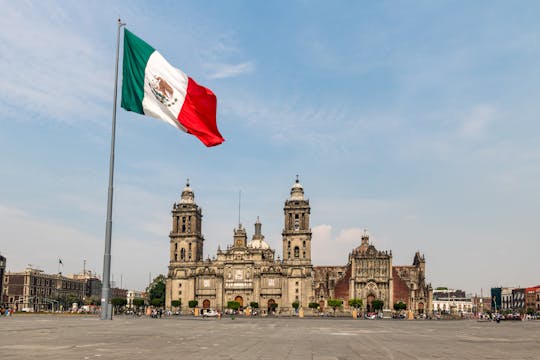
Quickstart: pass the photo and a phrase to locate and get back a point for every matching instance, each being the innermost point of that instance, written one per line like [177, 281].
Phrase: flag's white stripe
[157, 66]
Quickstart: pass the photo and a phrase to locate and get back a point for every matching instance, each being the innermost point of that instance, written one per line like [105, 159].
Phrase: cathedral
[249, 272]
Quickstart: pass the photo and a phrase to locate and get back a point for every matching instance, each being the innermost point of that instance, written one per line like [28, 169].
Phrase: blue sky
[415, 120]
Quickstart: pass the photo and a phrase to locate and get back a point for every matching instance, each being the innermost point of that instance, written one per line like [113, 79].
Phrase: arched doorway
[206, 304]
[239, 300]
[369, 300]
[420, 308]
[271, 305]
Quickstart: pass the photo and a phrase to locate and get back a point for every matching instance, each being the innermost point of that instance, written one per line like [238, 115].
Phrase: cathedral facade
[249, 272]
[246, 271]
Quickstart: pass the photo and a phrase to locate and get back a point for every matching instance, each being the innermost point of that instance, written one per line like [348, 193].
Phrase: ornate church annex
[248, 271]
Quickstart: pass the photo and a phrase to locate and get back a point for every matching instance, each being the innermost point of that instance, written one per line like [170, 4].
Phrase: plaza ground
[79, 337]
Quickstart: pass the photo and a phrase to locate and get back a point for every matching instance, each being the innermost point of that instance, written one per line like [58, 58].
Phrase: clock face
[239, 243]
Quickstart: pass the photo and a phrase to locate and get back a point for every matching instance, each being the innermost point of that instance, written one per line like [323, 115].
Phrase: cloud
[48, 67]
[42, 242]
[476, 123]
[329, 250]
[222, 71]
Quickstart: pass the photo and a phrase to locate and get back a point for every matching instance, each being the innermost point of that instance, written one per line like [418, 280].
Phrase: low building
[449, 301]
[92, 286]
[2, 270]
[131, 295]
[481, 305]
[518, 300]
[33, 290]
[532, 298]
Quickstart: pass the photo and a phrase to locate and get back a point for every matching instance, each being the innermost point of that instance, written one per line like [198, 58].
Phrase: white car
[210, 313]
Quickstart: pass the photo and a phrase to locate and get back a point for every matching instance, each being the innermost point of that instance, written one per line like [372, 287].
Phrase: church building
[249, 272]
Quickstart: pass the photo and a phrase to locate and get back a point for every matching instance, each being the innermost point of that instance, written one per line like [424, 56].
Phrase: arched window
[296, 252]
[304, 243]
[182, 254]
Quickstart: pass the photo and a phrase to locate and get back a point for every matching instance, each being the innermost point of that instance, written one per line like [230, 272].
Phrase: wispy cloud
[476, 123]
[222, 71]
[48, 67]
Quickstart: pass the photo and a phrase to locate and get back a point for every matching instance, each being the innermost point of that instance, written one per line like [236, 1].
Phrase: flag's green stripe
[136, 55]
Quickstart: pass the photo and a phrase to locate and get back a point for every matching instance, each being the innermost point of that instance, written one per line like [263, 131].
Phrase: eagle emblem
[163, 92]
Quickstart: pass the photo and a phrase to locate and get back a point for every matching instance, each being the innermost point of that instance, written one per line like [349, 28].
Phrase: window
[189, 246]
[182, 254]
[304, 243]
[296, 252]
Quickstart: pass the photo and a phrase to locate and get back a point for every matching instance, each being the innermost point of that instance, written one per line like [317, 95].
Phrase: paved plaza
[78, 337]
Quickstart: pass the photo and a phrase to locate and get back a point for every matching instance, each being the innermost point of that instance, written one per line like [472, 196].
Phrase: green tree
[193, 303]
[118, 303]
[176, 303]
[377, 304]
[138, 302]
[356, 303]
[334, 304]
[530, 311]
[400, 306]
[273, 306]
[156, 290]
[254, 305]
[233, 305]
[313, 305]
[295, 305]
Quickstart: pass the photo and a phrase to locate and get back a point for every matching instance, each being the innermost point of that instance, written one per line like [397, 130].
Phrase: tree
[295, 305]
[138, 302]
[334, 304]
[313, 305]
[118, 303]
[176, 303]
[254, 305]
[233, 305]
[193, 303]
[377, 304]
[273, 306]
[156, 290]
[356, 303]
[400, 306]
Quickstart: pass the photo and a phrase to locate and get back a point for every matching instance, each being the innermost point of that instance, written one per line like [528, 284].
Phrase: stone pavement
[77, 337]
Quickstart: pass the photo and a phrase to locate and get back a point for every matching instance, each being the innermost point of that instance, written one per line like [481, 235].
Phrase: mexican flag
[151, 86]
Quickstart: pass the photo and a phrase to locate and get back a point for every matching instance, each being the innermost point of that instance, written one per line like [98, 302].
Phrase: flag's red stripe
[198, 114]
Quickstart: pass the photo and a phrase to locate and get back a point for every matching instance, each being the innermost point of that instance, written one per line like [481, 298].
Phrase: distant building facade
[33, 290]
[249, 272]
[2, 270]
[518, 300]
[370, 275]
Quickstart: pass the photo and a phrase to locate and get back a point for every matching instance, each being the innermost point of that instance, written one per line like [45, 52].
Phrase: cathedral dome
[187, 195]
[258, 244]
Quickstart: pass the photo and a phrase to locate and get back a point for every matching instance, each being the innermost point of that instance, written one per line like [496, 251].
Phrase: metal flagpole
[106, 314]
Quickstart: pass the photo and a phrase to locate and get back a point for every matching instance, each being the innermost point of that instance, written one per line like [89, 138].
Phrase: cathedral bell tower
[297, 233]
[186, 236]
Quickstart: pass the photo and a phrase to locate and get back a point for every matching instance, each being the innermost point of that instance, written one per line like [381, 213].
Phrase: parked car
[210, 313]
